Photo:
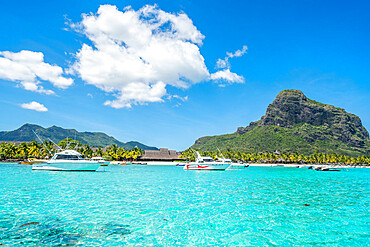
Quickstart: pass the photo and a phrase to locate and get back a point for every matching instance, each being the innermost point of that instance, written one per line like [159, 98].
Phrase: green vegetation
[37, 150]
[57, 134]
[299, 138]
[315, 158]
[295, 124]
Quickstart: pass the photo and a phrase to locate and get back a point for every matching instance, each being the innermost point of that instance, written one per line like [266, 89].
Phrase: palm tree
[23, 150]
[10, 150]
[34, 149]
[87, 151]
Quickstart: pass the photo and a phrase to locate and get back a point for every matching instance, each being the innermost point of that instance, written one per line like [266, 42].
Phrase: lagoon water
[166, 206]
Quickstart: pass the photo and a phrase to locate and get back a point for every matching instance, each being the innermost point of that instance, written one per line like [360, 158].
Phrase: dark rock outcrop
[292, 107]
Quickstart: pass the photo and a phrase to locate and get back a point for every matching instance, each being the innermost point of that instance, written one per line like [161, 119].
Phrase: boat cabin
[97, 159]
[205, 159]
[67, 155]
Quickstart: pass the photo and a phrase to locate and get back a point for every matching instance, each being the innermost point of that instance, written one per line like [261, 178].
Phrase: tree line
[315, 158]
[37, 150]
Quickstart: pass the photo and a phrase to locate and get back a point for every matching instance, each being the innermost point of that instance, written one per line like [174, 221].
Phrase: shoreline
[314, 165]
[166, 163]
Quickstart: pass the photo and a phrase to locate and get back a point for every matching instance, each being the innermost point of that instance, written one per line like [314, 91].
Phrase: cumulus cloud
[138, 92]
[228, 76]
[28, 68]
[34, 106]
[135, 55]
[224, 63]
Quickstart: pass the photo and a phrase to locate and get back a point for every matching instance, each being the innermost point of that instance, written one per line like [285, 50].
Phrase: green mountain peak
[56, 133]
[295, 123]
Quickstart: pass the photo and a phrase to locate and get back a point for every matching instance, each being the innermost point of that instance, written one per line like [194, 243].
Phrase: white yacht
[68, 160]
[206, 163]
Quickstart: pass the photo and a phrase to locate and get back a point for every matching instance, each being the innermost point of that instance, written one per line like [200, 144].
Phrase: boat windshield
[208, 160]
[67, 157]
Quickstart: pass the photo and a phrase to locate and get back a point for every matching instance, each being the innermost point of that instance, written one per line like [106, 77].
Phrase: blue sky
[319, 47]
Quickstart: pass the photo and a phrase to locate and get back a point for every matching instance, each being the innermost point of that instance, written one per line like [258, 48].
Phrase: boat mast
[221, 153]
[55, 144]
[196, 154]
[41, 141]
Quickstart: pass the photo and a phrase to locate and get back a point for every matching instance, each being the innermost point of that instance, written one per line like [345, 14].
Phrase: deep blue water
[166, 206]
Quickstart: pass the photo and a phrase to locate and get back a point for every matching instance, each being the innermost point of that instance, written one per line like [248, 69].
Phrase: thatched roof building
[14, 142]
[162, 154]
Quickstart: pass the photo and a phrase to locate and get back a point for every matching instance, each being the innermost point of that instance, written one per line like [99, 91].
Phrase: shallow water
[166, 206]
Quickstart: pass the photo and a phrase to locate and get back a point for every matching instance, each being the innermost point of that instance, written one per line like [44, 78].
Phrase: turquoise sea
[166, 206]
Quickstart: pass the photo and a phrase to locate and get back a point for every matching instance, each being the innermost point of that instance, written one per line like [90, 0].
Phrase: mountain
[295, 123]
[57, 134]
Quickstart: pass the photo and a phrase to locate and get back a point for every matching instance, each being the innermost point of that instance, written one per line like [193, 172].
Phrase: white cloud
[34, 106]
[138, 93]
[227, 75]
[35, 87]
[178, 98]
[28, 68]
[136, 54]
[224, 63]
[181, 98]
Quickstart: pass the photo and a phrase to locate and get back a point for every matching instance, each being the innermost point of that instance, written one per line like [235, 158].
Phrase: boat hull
[207, 167]
[91, 167]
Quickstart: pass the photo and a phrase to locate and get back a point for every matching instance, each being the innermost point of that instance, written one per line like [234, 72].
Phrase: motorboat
[327, 169]
[68, 160]
[32, 161]
[206, 163]
[233, 165]
[100, 160]
[237, 166]
[305, 166]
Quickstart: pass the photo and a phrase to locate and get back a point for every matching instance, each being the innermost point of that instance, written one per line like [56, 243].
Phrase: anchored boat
[100, 160]
[68, 160]
[206, 163]
[237, 166]
[31, 161]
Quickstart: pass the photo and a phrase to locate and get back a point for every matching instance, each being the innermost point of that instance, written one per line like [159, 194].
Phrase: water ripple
[165, 206]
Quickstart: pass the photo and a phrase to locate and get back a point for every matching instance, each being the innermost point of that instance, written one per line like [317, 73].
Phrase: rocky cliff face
[292, 107]
[294, 123]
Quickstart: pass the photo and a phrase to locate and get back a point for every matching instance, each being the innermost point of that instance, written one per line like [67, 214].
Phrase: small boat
[237, 166]
[68, 160]
[233, 166]
[305, 167]
[206, 163]
[327, 169]
[330, 169]
[31, 161]
[125, 163]
[100, 160]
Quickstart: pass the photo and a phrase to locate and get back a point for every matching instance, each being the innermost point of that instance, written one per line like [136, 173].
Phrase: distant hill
[294, 123]
[57, 134]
